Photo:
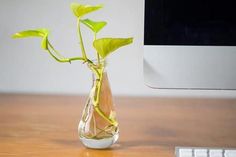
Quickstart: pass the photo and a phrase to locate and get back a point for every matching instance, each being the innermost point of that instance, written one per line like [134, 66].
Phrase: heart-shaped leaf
[80, 10]
[43, 33]
[95, 26]
[105, 46]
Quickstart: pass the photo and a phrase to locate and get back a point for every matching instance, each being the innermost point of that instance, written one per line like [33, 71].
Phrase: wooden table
[46, 126]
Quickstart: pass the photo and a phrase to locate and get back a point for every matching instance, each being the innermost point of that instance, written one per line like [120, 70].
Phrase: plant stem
[96, 101]
[57, 59]
[93, 67]
[94, 124]
[102, 114]
[81, 41]
[50, 45]
[64, 60]
[76, 58]
[98, 57]
[101, 131]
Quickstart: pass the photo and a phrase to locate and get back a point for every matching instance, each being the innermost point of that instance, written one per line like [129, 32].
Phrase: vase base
[99, 143]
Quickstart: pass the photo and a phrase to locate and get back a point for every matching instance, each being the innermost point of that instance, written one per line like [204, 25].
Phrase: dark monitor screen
[190, 22]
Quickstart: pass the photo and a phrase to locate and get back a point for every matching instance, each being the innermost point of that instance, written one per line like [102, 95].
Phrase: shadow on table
[125, 144]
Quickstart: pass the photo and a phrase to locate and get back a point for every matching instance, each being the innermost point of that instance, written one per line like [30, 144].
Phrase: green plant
[103, 47]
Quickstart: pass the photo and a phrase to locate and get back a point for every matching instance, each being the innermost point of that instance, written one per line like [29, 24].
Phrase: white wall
[25, 68]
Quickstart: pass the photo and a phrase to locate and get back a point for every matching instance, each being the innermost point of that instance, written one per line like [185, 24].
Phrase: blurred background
[25, 68]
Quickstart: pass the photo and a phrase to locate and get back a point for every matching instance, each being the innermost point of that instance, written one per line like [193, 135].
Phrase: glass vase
[98, 127]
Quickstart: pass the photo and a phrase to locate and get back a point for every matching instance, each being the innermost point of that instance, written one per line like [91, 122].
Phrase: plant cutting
[98, 127]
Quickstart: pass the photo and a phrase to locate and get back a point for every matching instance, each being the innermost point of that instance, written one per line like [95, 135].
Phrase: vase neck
[99, 70]
[103, 74]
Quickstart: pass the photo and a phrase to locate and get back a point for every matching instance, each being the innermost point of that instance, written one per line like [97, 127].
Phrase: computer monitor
[190, 44]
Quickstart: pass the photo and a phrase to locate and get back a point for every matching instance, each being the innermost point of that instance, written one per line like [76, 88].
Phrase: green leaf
[44, 43]
[43, 33]
[31, 33]
[95, 26]
[80, 10]
[105, 46]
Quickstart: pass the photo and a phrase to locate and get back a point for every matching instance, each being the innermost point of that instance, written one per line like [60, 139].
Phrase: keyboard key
[185, 153]
[230, 153]
[216, 153]
[200, 152]
[204, 152]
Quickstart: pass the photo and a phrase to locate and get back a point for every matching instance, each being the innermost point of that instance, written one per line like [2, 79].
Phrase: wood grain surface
[46, 126]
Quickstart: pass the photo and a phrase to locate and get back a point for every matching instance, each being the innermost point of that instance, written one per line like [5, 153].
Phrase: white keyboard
[204, 152]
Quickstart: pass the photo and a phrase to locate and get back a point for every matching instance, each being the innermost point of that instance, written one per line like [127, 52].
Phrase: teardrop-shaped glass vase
[98, 127]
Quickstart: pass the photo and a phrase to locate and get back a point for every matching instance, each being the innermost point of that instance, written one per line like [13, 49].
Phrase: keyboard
[204, 152]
